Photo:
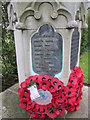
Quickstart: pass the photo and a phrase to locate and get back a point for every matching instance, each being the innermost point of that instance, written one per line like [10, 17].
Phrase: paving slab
[10, 105]
[14, 88]
[83, 109]
[11, 109]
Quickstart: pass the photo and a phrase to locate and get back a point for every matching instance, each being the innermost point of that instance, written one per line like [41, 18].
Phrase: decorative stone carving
[11, 17]
[69, 10]
[83, 10]
[58, 8]
[81, 14]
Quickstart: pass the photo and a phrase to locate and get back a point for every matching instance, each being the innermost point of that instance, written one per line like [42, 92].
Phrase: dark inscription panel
[74, 48]
[47, 51]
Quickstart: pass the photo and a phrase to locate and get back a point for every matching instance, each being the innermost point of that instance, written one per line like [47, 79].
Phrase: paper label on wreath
[34, 92]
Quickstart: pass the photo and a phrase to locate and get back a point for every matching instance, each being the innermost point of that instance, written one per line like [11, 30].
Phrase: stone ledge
[9, 107]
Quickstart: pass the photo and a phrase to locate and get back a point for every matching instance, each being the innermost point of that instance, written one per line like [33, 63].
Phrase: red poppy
[54, 105]
[23, 84]
[39, 84]
[41, 108]
[39, 80]
[35, 78]
[51, 88]
[70, 107]
[33, 105]
[47, 77]
[77, 105]
[41, 115]
[70, 92]
[80, 92]
[71, 86]
[37, 107]
[29, 80]
[24, 97]
[20, 91]
[41, 77]
[30, 105]
[60, 111]
[73, 79]
[45, 109]
[52, 114]
[23, 104]
[79, 96]
[53, 99]
[71, 100]
[45, 85]
[49, 105]
[34, 115]
[78, 72]
[56, 94]
[81, 85]
[56, 83]
[60, 85]
[59, 92]
[60, 103]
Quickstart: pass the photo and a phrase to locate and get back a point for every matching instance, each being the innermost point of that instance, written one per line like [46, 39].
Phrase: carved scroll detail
[12, 17]
[59, 8]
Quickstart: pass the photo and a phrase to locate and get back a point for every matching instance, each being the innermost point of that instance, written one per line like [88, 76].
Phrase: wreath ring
[63, 97]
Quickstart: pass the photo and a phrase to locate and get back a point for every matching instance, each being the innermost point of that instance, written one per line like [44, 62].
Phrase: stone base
[9, 105]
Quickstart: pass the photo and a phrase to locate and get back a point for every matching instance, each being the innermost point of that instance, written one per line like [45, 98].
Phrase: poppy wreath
[63, 97]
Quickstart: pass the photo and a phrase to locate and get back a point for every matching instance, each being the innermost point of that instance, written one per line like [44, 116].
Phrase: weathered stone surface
[14, 88]
[11, 109]
[10, 104]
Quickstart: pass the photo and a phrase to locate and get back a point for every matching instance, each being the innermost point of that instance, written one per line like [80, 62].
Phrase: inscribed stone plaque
[74, 48]
[46, 47]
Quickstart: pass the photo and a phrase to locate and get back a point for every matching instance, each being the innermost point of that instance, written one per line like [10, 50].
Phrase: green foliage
[85, 50]
[9, 69]
[89, 28]
[84, 65]
[84, 40]
[85, 43]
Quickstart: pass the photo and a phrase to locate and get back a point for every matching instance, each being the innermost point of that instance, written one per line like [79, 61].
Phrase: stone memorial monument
[47, 40]
[47, 36]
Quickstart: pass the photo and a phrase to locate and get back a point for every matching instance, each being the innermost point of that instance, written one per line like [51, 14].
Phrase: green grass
[84, 65]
